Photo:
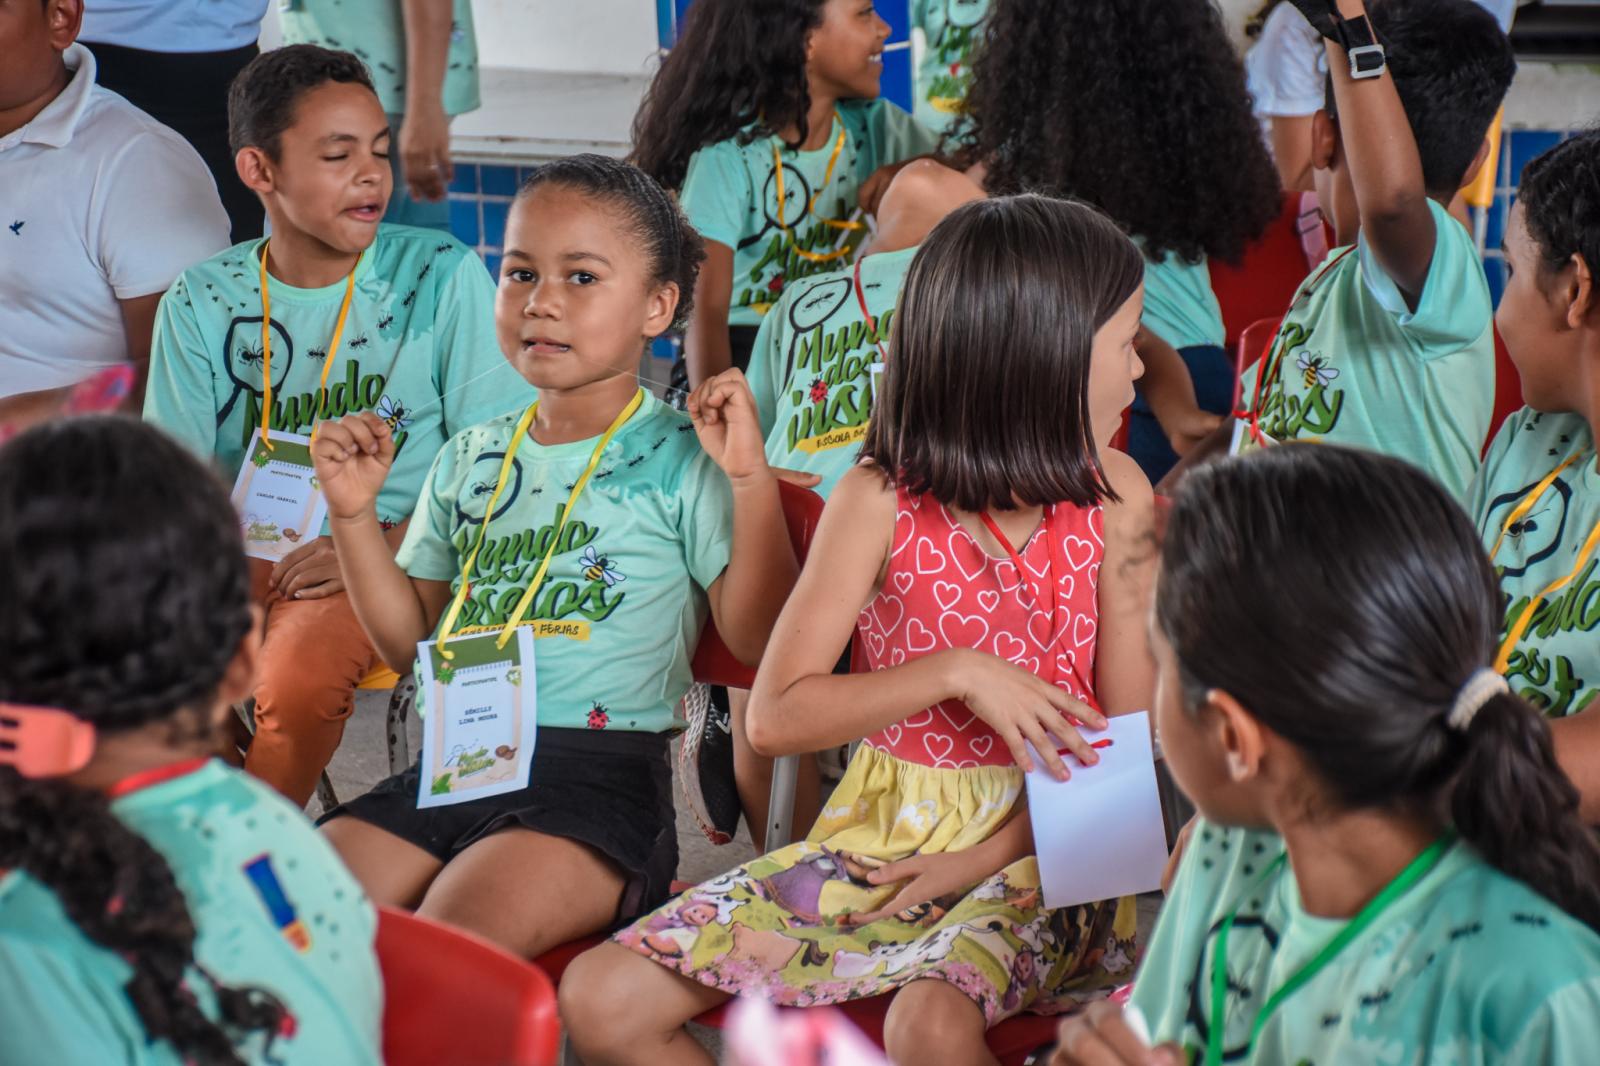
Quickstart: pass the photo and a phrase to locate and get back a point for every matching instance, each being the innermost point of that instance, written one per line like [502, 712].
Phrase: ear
[1324, 140]
[255, 170]
[1242, 739]
[662, 307]
[64, 18]
[239, 679]
[1582, 302]
[1477, 165]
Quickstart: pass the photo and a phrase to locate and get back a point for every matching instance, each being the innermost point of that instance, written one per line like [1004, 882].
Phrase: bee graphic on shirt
[599, 568]
[395, 413]
[1316, 369]
[360, 342]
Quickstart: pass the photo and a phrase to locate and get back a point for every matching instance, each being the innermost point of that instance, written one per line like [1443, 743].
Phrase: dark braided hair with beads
[127, 597]
[674, 247]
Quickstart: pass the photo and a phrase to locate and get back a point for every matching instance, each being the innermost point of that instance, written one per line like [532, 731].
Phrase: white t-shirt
[99, 202]
[174, 25]
[1286, 69]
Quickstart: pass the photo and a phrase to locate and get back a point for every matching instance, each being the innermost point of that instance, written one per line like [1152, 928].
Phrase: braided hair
[674, 247]
[128, 598]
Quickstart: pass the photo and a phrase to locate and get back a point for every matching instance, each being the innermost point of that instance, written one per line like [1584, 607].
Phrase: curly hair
[128, 597]
[1136, 106]
[738, 70]
[675, 248]
[1560, 198]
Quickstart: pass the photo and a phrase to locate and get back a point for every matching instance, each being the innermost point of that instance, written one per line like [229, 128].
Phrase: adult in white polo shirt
[100, 208]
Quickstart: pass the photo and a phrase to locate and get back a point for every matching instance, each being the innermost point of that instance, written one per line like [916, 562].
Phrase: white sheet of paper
[276, 496]
[1099, 835]
[482, 718]
[1243, 443]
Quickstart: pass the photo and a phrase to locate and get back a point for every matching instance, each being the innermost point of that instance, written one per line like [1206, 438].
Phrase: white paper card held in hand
[279, 503]
[481, 719]
[1099, 835]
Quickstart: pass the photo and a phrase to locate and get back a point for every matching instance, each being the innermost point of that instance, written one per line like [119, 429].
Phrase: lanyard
[811, 208]
[523, 426]
[1519, 628]
[1415, 871]
[1269, 373]
[1033, 592]
[872, 324]
[266, 346]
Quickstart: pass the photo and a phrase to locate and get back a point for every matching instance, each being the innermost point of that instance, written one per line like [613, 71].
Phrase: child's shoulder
[399, 243]
[227, 272]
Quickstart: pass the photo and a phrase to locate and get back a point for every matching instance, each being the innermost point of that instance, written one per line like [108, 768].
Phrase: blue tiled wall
[1516, 150]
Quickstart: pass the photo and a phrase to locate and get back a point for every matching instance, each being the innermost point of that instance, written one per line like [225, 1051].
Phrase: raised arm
[1385, 167]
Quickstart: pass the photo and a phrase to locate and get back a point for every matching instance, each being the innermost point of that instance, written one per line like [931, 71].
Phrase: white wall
[595, 36]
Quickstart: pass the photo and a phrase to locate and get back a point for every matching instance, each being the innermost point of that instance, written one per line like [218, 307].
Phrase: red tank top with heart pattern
[942, 590]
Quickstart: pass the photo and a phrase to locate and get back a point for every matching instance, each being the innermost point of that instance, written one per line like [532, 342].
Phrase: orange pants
[314, 656]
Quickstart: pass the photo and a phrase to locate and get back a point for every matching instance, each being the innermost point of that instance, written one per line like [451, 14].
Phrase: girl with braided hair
[602, 519]
[156, 907]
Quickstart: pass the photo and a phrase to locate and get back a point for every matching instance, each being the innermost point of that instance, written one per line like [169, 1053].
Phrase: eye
[334, 158]
[521, 277]
[582, 277]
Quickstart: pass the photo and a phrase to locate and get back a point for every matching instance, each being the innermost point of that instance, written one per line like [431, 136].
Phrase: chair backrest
[1265, 280]
[1507, 390]
[713, 663]
[1252, 347]
[452, 997]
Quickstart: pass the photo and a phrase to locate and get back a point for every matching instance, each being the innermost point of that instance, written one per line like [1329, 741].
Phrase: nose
[1137, 366]
[543, 301]
[883, 28]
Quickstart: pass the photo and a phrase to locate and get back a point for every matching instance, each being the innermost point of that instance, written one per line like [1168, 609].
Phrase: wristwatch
[1355, 36]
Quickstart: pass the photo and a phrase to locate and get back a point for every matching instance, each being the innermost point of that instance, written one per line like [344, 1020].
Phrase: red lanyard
[872, 324]
[1276, 354]
[149, 778]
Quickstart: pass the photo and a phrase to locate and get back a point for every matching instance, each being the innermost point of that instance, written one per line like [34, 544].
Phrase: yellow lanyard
[811, 208]
[1520, 627]
[523, 426]
[266, 347]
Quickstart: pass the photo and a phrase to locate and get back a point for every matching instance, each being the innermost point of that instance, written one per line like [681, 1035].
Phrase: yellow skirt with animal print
[772, 927]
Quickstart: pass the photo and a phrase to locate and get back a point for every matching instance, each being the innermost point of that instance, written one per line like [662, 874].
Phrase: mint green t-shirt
[1358, 368]
[953, 29]
[649, 535]
[273, 908]
[1179, 306]
[1556, 665]
[375, 31]
[419, 349]
[811, 369]
[1469, 967]
[730, 194]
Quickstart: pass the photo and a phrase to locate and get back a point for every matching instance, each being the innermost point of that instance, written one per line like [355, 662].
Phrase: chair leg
[780, 805]
[401, 702]
[325, 794]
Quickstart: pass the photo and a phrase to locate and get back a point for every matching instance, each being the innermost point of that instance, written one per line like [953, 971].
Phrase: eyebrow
[350, 138]
[570, 257]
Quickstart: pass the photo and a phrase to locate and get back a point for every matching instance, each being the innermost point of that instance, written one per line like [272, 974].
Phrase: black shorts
[610, 790]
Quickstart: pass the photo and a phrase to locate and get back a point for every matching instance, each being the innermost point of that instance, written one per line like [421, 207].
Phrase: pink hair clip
[44, 742]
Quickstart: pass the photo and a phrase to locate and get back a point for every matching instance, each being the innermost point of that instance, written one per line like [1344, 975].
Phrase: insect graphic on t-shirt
[360, 342]
[250, 355]
[425, 268]
[1316, 369]
[598, 718]
[1525, 524]
[316, 355]
[443, 246]
[386, 321]
[599, 568]
[393, 412]
[819, 390]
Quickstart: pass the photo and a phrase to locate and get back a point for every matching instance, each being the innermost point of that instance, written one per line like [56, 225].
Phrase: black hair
[674, 247]
[1452, 65]
[1136, 106]
[1394, 607]
[1560, 198]
[985, 397]
[738, 70]
[263, 96]
[127, 597]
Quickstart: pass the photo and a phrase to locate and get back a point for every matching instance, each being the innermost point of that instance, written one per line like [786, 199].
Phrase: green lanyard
[1415, 871]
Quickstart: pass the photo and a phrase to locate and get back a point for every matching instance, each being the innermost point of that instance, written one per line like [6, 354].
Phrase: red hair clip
[44, 742]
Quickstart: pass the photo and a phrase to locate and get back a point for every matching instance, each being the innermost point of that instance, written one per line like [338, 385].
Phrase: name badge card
[482, 714]
[279, 502]
[877, 379]
[1099, 835]
[1243, 442]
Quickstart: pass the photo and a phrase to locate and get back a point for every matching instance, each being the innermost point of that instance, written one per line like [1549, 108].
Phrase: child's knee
[591, 988]
[927, 1022]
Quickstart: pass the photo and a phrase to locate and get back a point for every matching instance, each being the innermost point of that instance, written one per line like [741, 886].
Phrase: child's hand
[1025, 709]
[927, 877]
[310, 572]
[1186, 429]
[352, 457]
[724, 416]
[1106, 1035]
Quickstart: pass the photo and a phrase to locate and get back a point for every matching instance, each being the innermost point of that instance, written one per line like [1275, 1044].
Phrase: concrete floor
[362, 761]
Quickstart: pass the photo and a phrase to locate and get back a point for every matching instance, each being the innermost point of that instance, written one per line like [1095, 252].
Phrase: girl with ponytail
[1388, 863]
[155, 906]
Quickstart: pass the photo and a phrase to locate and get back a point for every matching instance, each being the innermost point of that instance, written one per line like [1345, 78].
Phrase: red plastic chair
[452, 997]
[1253, 346]
[1265, 280]
[1507, 390]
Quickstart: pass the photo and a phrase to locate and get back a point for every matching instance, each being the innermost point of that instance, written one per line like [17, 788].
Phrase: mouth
[544, 346]
[876, 58]
[367, 212]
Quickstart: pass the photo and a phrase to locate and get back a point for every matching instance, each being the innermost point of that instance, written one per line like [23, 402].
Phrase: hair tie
[1479, 689]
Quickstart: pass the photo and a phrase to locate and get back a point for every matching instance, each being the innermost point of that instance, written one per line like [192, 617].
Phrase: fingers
[1112, 1025]
[331, 587]
[427, 172]
[1100, 1037]
[889, 873]
[1019, 750]
[1064, 702]
[292, 560]
[903, 900]
[1040, 739]
[310, 576]
[797, 477]
[292, 567]
[333, 442]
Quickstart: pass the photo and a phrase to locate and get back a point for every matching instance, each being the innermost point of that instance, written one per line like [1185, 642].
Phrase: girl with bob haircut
[990, 553]
[1387, 855]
